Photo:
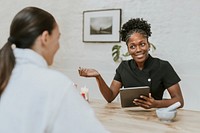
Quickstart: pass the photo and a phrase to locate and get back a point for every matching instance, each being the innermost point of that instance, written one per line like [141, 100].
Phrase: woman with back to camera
[34, 98]
[141, 70]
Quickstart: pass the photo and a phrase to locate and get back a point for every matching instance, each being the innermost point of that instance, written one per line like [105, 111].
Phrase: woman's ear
[45, 37]
[149, 46]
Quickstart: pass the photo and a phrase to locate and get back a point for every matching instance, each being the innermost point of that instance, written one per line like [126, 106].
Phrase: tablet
[127, 95]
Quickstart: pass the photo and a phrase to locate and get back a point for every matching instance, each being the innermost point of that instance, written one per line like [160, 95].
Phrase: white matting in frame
[102, 25]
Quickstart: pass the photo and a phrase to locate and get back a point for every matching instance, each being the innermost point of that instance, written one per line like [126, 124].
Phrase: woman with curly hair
[141, 70]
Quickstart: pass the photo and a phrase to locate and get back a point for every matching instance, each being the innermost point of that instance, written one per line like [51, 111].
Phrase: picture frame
[101, 26]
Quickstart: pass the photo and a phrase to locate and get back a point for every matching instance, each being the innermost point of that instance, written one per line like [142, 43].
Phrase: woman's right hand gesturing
[86, 72]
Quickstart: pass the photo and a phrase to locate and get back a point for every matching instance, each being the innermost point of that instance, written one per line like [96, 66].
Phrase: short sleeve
[117, 73]
[170, 76]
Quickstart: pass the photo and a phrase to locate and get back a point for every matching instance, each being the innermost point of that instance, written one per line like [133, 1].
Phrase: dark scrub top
[157, 74]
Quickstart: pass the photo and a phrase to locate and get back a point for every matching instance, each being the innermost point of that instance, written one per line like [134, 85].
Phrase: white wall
[175, 27]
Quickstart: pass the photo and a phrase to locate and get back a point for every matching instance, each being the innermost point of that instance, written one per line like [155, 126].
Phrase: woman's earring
[13, 46]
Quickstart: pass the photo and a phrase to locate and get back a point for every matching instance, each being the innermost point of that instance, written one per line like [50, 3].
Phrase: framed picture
[102, 25]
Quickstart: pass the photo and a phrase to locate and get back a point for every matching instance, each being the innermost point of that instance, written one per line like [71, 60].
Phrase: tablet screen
[127, 95]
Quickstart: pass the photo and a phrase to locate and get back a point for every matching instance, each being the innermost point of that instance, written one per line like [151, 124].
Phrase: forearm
[176, 96]
[167, 102]
[104, 89]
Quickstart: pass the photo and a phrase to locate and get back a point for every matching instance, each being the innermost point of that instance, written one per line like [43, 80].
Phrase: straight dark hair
[26, 26]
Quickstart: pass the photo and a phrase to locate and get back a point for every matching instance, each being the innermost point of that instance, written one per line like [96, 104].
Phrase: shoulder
[125, 63]
[55, 84]
[163, 65]
[54, 75]
[45, 77]
[162, 62]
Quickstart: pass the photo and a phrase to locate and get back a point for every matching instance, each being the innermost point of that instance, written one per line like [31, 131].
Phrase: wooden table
[139, 120]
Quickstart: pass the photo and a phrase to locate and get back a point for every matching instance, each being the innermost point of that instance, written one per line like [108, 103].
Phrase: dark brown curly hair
[135, 25]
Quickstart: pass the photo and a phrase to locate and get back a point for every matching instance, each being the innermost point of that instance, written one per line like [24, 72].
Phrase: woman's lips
[139, 56]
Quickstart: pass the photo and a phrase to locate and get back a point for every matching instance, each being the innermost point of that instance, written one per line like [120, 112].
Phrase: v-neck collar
[146, 63]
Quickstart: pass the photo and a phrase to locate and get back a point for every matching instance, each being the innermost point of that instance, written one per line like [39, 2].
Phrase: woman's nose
[138, 48]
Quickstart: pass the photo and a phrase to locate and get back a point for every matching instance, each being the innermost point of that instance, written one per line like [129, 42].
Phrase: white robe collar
[29, 56]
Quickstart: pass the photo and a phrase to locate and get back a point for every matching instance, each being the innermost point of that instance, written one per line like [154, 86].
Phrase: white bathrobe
[40, 100]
